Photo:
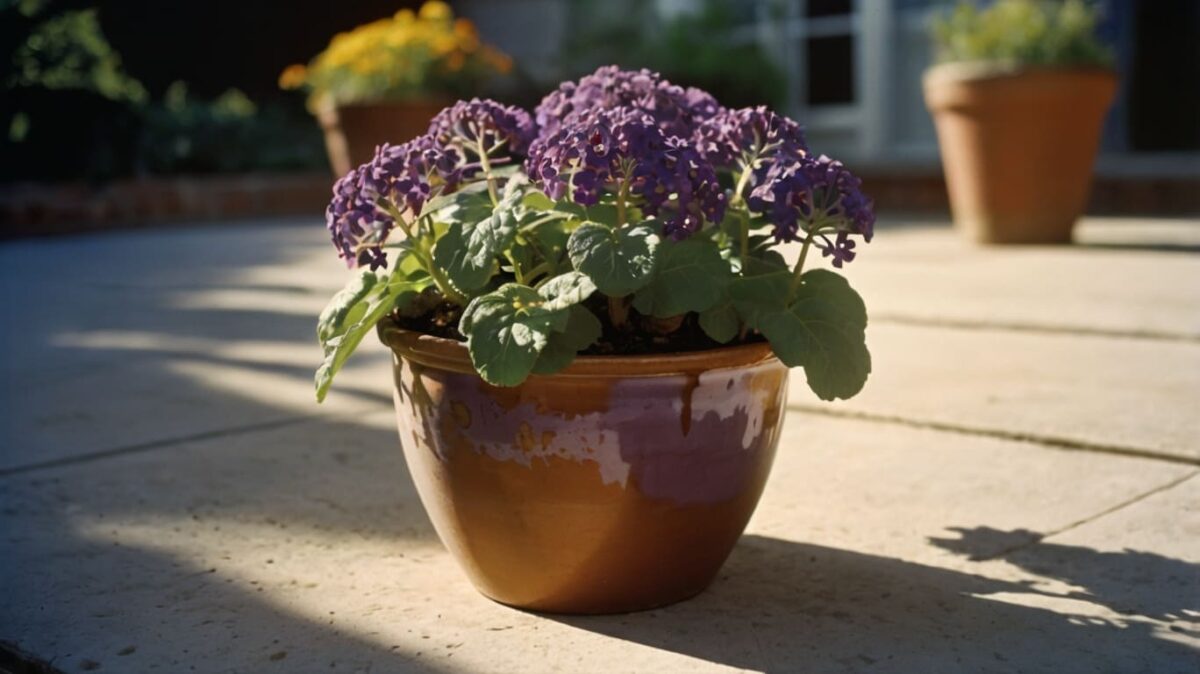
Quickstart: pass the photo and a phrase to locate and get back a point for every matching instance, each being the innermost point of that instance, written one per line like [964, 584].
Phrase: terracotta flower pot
[353, 131]
[618, 484]
[1018, 146]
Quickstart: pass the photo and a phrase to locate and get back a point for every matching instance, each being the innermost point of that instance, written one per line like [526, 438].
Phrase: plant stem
[799, 270]
[543, 268]
[745, 235]
[741, 184]
[622, 195]
[618, 313]
[421, 248]
[743, 217]
[516, 267]
[487, 172]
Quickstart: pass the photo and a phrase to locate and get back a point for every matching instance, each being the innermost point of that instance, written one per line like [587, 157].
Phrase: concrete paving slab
[1135, 276]
[1134, 394]
[305, 549]
[164, 335]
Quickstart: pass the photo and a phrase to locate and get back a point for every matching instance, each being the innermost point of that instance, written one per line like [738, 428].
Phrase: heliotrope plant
[624, 206]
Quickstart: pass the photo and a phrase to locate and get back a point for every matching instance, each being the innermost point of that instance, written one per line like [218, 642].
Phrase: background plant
[406, 56]
[625, 211]
[1021, 32]
[692, 48]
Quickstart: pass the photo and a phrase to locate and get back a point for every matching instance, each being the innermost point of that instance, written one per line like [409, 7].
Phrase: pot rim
[960, 71]
[452, 355]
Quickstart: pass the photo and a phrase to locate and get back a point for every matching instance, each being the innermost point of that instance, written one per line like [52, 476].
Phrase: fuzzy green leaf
[721, 322]
[468, 252]
[563, 291]
[583, 329]
[340, 339]
[823, 329]
[506, 331]
[690, 276]
[347, 307]
[618, 260]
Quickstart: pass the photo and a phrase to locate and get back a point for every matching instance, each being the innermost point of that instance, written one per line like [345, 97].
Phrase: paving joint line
[153, 445]
[1000, 434]
[1034, 328]
[1090, 518]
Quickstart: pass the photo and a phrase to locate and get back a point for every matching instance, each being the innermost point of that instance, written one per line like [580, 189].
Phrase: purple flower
[755, 138]
[596, 152]
[818, 196]
[674, 109]
[399, 178]
[483, 121]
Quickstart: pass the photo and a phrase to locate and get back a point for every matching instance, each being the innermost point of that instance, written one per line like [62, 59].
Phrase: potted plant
[592, 327]
[1018, 99]
[384, 80]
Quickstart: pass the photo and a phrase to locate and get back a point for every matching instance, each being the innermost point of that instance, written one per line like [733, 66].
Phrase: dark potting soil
[641, 335]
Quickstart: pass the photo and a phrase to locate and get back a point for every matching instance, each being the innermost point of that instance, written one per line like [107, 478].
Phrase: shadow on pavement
[1128, 582]
[152, 559]
[782, 606]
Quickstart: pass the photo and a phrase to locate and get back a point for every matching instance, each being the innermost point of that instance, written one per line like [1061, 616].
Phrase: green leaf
[470, 203]
[583, 329]
[605, 214]
[721, 322]
[823, 329]
[763, 290]
[506, 331]
[619, 261]
[347, 307]
[690, 276]
[563, 291]
[340, 339]
[468, 252]
[537, 201]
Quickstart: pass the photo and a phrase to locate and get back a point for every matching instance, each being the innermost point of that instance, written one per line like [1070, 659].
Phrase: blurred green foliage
[1021, 32]
[69, 51]
[69, 110]
[230, 133]
[692, 49]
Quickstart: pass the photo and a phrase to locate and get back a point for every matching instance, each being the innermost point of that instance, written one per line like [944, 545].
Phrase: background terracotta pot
[618, 484]
[1018, 147]
[353, 131]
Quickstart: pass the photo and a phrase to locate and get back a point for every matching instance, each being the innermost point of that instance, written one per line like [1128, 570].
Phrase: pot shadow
[1129, 582]
[782, 606]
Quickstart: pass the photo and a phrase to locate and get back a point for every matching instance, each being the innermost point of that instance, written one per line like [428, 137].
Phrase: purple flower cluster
[402, 177]
[674, 109]
[756, 137]
[824, 195]
[483, 121]
[356, 217]
[602, 149]
[612, 131]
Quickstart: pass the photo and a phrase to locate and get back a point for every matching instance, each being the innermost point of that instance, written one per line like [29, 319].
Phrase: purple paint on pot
[685, 439]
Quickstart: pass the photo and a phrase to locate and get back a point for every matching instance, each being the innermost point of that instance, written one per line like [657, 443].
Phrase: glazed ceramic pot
[617, 484]
[353, 131]
[1018, 146]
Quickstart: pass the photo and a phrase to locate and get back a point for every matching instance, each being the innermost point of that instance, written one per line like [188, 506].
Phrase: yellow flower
[293, 76]
[397, 55]
[436, 10]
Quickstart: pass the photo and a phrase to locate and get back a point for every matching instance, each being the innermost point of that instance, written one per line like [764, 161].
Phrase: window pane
[830, 70]
[814, 8]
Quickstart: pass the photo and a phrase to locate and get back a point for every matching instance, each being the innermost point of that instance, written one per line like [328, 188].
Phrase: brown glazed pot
[618, 484]
[353, 131]
[1018, 146]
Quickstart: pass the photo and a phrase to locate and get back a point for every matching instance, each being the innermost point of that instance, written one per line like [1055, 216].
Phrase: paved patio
[1015, 490]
